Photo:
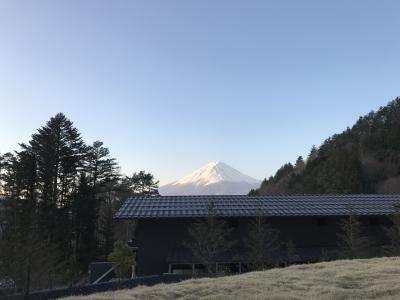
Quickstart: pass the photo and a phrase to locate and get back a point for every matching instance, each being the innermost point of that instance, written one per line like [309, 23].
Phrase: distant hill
[362, 159]
[215, 178]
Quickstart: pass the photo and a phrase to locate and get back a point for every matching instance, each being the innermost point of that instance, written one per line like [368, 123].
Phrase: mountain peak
[212, 178]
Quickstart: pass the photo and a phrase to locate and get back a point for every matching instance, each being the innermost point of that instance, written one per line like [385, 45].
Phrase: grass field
[377, 278]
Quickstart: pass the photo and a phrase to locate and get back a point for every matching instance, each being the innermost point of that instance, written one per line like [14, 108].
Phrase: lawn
[377, 278]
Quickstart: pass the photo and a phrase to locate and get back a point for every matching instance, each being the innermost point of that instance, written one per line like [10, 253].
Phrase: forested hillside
[362, 159]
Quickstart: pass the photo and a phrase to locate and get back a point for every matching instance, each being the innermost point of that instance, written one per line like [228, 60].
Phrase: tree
[353, 243]
[299, 165]
[84, 219]
[313, 154]
[122, 258]
[60, 153]
[261, 243]
[209, 238]
[102, 175]
[253, 192]
[143, 183]
[393, 234]
[101, 169]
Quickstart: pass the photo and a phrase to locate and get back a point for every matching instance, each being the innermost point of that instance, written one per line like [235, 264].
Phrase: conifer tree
[143, 183]
[102, 176]
[313, 154]
[299, 165]
[101, 168]
[60, 153]
[84, 213]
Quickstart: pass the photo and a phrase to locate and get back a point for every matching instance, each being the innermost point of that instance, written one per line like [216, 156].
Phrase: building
[310, 222]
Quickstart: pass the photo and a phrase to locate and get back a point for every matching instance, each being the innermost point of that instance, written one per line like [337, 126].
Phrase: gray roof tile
[244, 206]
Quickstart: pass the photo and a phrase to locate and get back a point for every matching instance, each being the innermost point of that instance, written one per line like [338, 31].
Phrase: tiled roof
[244, 206]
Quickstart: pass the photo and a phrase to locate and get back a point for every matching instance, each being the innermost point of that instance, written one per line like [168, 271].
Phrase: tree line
[58, 197]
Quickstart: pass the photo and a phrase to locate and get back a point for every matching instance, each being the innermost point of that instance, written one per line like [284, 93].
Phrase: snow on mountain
[215, 178]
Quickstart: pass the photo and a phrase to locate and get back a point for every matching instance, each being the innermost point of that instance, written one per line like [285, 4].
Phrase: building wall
[155, 238]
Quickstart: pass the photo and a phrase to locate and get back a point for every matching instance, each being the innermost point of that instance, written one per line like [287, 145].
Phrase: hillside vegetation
[362, 159]
[376, 278]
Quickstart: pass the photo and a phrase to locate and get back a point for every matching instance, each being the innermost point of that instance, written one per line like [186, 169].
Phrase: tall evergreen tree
[101, 168]
[103, 175]
[299, 165]
[60, 153]
[313, 154]
[84, 213]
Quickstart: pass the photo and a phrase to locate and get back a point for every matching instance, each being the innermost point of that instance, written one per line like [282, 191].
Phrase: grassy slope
[377, 278]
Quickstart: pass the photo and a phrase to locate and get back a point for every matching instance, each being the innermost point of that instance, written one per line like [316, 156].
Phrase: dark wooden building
[310, 222]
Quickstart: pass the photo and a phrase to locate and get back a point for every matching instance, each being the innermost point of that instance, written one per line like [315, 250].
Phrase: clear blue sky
[171, 85]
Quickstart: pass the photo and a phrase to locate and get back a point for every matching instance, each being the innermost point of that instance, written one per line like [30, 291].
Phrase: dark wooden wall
[155, 238]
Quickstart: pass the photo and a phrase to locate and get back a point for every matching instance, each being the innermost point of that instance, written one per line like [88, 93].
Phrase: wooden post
[216, 268]
[169, 269]
[240, 268]
[193, 269]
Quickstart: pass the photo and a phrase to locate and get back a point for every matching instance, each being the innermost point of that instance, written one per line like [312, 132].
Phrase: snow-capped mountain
[215, 178]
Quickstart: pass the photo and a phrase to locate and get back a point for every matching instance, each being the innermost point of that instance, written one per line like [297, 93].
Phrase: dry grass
[377, 278]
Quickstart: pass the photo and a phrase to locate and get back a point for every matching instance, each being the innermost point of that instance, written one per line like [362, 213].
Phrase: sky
[169, 86]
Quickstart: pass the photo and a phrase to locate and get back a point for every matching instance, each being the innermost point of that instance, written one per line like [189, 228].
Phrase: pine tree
[299, 165]
[313, 154]
[143, 183]
[60, 154]
[101, 168]
[84, 214]
[103, 174]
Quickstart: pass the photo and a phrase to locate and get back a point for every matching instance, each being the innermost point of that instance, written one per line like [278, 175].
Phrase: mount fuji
[215, 178]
